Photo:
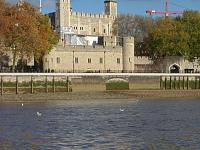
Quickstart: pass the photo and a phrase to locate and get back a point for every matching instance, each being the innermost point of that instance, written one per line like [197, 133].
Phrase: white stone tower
[128, 54]
[111, 7]
[63, 13]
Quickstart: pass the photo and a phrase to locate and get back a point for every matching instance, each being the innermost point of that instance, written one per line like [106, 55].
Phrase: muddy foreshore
[131, 94]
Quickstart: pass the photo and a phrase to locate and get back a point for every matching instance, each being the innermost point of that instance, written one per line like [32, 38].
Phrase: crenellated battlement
[91, 15]
[83, 48]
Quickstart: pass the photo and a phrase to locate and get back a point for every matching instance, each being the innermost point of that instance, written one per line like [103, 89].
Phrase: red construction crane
[166, 12]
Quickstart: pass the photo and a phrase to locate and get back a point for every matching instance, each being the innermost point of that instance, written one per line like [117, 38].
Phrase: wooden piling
[170, 83]
[161, 83]
[199, 82]
[17, 85]
[54, 85]
[32, 85]
[67, 84]
[46, 84]
[179, 82]
[195, 82]
[175, 83]
[187, 82]
[1, 85]
[165, 83]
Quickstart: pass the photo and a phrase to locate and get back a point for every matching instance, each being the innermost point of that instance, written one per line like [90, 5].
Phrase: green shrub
[117, 85]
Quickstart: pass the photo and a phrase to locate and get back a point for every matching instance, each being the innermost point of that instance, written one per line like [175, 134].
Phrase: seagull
[122, 110]
[22, 104]
[39, 114]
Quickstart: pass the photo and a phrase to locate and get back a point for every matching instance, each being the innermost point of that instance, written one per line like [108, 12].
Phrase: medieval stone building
[87, 44]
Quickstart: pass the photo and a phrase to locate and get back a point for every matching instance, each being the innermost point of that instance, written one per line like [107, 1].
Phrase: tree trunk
[14, 61]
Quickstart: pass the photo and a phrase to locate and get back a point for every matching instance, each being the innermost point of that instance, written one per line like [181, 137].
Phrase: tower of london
[88, 44]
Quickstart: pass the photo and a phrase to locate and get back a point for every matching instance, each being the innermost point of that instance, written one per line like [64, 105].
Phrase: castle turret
[128, 54]
[63, 14]
[111, 7]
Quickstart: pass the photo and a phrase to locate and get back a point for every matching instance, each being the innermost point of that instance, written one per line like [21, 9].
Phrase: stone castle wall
[91, 24]
[84, 59]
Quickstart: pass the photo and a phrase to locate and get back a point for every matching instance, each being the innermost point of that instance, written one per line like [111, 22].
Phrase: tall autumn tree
[168, 38]
[191, 25]
[176, 36]
[27, 32]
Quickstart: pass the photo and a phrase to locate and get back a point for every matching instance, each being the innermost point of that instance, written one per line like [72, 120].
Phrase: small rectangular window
[101, 60]
[89, 60]
[118, 60]
[76, 60]
[58, 60]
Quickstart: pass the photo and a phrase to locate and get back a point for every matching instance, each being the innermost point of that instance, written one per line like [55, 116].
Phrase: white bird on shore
[22, 104]
[39, 114]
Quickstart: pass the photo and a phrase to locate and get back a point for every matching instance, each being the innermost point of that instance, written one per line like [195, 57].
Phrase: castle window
[89, 60]
[104, 31]
[76, 60]
[58, 60]
[101, 60]
[94, 30]
[129, 59]
[118, 60]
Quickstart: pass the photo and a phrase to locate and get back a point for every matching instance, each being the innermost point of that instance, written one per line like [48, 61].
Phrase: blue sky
[124, 6]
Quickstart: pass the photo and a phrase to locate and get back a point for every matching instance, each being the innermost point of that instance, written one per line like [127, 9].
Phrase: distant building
[87, 44]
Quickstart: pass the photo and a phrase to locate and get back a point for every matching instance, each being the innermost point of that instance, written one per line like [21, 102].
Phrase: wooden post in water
[1, 85]
[31, 84]
[183, 83]
[54, 85]
[46, 84]
[67, 84]
[17, 85]
[187, 82]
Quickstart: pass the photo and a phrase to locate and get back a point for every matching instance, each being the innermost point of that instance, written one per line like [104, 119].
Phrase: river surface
[101, 125]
